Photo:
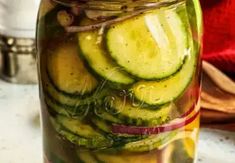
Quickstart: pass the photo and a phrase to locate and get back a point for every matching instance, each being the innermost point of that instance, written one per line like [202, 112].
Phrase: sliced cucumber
[82, 129]
[119, 139]
[158, 141]
[101, 124]
[55, 107]
[58, 96]
[74, 105]
[102, 113]
[62, 98]
[90, 143]
[138, 116]
[150, 143]
[91, 48]
[67, 71]
[167, 90]
[84, 142]
[149, 46]
[68, 105]
[164, 91]
[106, 127]
[79, 127]
[70, 111]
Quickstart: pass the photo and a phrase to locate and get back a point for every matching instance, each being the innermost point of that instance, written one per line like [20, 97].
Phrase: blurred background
[20, 136]
[218, 87]
[17, 34]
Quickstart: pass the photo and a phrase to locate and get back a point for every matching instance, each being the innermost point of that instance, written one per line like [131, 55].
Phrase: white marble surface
[20, 134]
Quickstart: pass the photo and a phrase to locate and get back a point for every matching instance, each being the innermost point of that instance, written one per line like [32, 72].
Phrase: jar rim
[116, 5]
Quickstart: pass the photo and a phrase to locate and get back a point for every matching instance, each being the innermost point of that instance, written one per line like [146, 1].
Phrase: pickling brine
[119, 80]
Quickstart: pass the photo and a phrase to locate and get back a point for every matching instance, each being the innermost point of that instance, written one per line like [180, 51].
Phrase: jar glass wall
[119, 80]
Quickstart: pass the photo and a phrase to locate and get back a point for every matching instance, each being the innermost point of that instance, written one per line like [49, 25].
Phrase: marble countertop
[20, 133]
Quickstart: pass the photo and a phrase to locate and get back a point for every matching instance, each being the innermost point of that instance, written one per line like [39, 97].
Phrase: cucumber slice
[106, 127]
[62, 103]
[74, 106]
[150, 143]
[149, 46]
[164, 91]
[138, 116]
[70, 111]
[67, 71]
[158, 141]
[91, 49]
[70, 103]
[79, 127]
[101, 124]
[62, 98]
[82, 129]
[55, 107]
[102, 113]
[90, 143]
[119, 139]
[84, 142]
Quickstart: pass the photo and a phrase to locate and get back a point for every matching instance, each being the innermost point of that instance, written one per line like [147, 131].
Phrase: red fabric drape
[219, 33]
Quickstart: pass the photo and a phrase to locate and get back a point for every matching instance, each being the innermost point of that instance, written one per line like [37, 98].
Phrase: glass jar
[119, 80]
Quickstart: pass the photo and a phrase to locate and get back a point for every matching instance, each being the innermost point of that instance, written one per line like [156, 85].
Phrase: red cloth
[219, 33]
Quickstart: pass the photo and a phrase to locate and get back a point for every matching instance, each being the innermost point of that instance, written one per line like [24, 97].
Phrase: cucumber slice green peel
[150, 143]
[78, 111]
[61, 97]
[150, 46]
[103, 114]
[118, 139]
[67, 71]
[136, 115]
[158, 141]
[106, 127]
[67, 105]
[171, 126]
[79, 136]
[90, 45]
[79, 127]
[72, 106]
[160, 92]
